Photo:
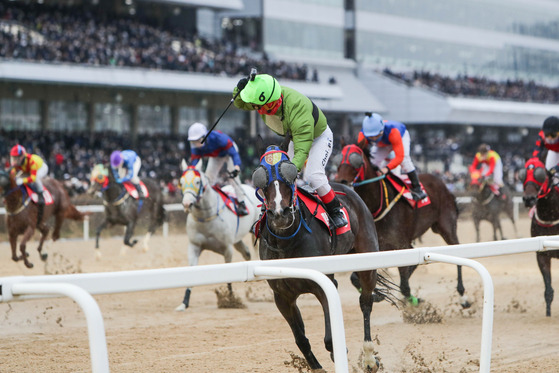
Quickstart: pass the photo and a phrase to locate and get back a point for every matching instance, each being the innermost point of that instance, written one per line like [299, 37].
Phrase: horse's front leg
[321, 296]
[128, 234]
[101, 226]
[22, 246]
[368, 281]
[193, 256]
[289, 310]
[544, 262]
[13, 246]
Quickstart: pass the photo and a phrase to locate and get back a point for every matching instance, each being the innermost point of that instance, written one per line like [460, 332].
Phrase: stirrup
[418, 195]
[242, 209]
[338, 220]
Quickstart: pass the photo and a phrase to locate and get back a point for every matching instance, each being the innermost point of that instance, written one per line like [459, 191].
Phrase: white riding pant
[379, 154]
[41, 172]
[497, 172]
[136, 170]
[314, 172]
[214, 166]
[552, 159]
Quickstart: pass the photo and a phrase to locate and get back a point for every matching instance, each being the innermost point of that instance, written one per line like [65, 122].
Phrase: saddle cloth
[400, 182]
[313, 204]
[131, 189]
[229, 199]
[34, 197]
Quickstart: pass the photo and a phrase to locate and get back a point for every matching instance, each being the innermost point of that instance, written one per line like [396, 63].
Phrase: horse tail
[73, 213]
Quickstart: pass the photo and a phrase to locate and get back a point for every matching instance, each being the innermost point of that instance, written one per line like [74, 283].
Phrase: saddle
[47, 196]
[133, 192]
[229, 198]
[317, 210]
[402, 184]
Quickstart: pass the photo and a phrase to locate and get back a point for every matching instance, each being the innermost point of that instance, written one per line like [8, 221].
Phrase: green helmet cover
[262, 90]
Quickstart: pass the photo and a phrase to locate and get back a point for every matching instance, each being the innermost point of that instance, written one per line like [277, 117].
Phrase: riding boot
[241, 208]
[417, 193]
[335, 212]
[139, 190]
[40, 206]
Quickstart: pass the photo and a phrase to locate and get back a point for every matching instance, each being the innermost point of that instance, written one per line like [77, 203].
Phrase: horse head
[534, 178]
[275, 178]
[353, 166]
[193, 184]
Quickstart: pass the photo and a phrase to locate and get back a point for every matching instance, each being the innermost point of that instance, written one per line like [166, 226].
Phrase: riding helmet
[551, 125]
[262, 90]
[116, 158]
[483, 148]
[373, 124]
[197, 131]
[17, 151]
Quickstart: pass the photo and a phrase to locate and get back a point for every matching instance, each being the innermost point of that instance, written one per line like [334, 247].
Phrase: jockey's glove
[19, 181]
[554, 170]
[233, 174]
[242, 84]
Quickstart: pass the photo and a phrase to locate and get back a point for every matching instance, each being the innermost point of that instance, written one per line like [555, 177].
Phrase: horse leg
[193, 256]
[58, 220]
[405, 273]
[497, 227]
[476, 225]
[98, 232]
[44, 229]
[243, 249]
[368, 279]
[26, 236]
[290, 312]
[544, 262]
[128, 234]
[13, 245]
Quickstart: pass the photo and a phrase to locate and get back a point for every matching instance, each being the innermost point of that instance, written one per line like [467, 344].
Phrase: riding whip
[253, 73]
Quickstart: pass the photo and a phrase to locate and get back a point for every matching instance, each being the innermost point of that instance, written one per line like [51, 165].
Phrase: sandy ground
[145, 334]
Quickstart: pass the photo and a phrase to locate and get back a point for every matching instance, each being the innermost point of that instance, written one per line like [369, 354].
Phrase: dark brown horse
[486, 205]
[22, 214]
[397, 223]
[289, 230]
[541, 191]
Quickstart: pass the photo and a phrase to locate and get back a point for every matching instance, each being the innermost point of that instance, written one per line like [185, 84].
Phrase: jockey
[220, 149]
[32, 165]
[285, 110]
[548, 138]
[384, 136]
[491, 164]
[125, 166]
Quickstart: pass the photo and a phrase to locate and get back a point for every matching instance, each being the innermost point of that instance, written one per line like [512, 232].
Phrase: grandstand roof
[217, 4]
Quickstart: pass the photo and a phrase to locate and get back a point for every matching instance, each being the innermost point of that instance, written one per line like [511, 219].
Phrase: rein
[367, 181]
[302, 222]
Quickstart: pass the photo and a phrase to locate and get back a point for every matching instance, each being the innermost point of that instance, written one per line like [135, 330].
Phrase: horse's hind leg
[98, 232]
[59, 219]
[289, 310]
[44, 229]
[13, 246]
[544, 262]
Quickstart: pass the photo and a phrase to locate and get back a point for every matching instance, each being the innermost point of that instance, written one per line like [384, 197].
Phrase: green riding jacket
[298, 115]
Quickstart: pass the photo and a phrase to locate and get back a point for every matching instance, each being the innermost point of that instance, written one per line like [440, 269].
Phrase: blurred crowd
[52, 33]
[469, 86]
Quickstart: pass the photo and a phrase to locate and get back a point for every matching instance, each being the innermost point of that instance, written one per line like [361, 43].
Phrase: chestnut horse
[397, 223]
[22, 213]
[541, 191]
[289, 229]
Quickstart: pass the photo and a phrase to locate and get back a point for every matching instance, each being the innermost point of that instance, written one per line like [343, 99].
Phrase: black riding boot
[139, 190]
[416, 191]
[40, 205]
[335, 212]
[241, 208]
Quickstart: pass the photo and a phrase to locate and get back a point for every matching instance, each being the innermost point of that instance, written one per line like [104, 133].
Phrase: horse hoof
[16, 258]
[97, 254]
[180, 308]
[133, 243]
[29, 264]
[44, 256]
[145, 249]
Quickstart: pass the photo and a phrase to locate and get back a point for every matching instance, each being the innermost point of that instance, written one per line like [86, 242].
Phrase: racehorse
[541, 192]
[122, 207]
[487, 205]
[397, 222]
[212, 222]
[290, 229]
[22, 213]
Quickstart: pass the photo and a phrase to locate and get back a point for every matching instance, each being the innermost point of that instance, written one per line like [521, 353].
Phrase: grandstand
[138, 68]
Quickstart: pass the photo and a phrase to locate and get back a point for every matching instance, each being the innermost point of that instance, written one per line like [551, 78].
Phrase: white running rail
[31, 287]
